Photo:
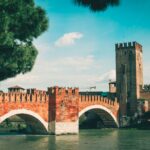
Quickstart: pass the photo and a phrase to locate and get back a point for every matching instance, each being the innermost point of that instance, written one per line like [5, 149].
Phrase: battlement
[63, 91]
[23, 97]
[127, 45]
[98, 98]
[35, 91]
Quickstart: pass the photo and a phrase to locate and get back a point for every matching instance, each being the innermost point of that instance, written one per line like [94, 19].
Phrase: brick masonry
[58, 107]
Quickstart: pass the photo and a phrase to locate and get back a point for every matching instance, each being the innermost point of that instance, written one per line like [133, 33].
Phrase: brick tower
[63, 110]
[129, 76]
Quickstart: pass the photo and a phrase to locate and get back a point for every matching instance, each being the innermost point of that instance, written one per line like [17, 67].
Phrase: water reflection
[134, 139]
[105, 139]
[99, 139]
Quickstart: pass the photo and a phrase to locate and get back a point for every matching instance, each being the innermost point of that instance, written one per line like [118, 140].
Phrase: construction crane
[89, 88]
[92, 87]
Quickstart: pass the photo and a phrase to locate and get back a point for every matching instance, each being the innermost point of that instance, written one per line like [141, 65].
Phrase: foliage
[97, 5]
[20, 23]
[146, 87]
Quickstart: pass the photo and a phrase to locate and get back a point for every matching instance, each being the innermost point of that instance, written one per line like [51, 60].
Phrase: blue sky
[78, 48]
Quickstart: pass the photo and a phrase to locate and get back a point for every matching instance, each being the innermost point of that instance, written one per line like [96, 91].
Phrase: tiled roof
[16, 87]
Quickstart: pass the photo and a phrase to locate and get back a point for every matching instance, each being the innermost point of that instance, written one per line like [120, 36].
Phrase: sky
[78, 49]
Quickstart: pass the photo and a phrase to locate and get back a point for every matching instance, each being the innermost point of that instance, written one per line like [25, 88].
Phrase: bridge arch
[25, 112]
[99, 107]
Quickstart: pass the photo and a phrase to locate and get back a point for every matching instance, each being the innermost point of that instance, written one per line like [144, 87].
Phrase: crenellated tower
[129, 76]
[63, 110]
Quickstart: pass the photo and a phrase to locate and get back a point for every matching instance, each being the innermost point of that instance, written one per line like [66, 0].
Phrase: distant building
[35, 91]
[112, 90]
[96, 93]
[112, 87]
[16, 89]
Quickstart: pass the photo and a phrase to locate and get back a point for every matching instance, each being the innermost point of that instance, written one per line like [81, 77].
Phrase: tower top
[128, 45]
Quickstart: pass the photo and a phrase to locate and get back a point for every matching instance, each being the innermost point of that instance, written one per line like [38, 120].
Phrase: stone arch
[25, 112]
[99, 107]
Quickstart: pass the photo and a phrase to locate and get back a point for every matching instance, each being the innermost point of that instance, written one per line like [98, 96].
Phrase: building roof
[112, 82]
[16, 87]
[100, 93]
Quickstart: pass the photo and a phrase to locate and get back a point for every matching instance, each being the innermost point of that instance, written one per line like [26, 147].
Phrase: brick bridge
[56, 110]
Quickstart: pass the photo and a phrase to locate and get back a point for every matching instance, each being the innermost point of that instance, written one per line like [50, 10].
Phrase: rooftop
[16, 87]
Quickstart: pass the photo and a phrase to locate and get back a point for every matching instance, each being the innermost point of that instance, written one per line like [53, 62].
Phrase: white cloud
[68, 39]
[73, 71]
[77, 63]
[25, 80]
[110, 75]
[64, 71]
[21, 78]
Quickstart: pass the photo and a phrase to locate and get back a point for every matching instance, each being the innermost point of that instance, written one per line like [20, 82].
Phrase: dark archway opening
[22, 124]
[96, 119]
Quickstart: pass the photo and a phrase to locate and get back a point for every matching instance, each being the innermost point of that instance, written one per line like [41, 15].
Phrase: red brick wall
[89, 100]
[37, 103]
[63, 104]
[60, 104]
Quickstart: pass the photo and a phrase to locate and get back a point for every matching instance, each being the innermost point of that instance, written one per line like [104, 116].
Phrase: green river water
[105, 139]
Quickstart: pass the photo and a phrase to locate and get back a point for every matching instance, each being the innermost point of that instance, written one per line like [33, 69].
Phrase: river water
[105, 139]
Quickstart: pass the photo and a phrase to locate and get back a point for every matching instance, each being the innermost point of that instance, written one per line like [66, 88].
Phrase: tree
[97, 5]
[21, 21]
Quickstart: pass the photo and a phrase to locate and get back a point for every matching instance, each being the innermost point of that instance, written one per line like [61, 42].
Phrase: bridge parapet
[91, 100]
[97, 99]
[35, 91]
[23, 97]
[57, 91]
[37, 103]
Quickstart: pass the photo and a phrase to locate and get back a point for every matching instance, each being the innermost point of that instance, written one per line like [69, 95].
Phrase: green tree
[97, 5]
[21, 21]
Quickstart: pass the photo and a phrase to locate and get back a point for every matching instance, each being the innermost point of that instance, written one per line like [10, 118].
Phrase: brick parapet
[37, 103]
[23, 97]
[57, 91]
[97, 99]
[89, 100]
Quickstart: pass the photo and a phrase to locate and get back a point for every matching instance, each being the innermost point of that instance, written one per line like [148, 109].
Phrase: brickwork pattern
[65, 107]
[37, 103]
[89, 100]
